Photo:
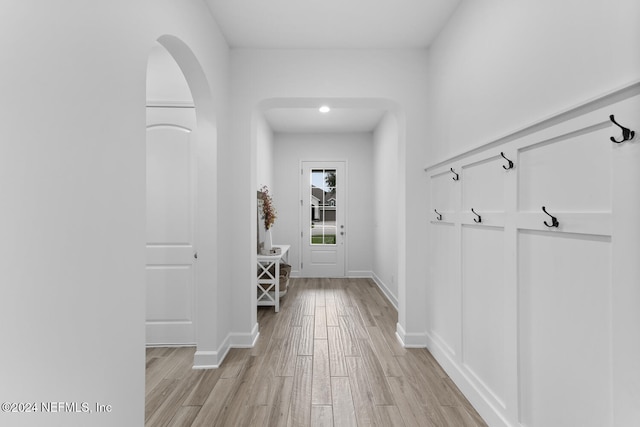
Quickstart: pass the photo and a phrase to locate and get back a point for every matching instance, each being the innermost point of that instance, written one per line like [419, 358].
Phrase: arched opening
[375, 210]
[171, 178]
[181, 202]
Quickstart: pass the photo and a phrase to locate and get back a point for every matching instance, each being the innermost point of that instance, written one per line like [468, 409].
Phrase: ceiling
[310, 120]
[329, 24]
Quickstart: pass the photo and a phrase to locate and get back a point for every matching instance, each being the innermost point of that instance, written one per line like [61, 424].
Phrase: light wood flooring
[328, 358]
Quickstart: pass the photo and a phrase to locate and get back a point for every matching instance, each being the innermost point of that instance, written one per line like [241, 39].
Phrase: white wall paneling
[483, 185]
[529, 320]
[564, 320]
[444, 317]
[444, 196]
[483, 314]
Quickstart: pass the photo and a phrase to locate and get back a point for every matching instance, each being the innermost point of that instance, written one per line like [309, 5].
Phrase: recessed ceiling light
[324, 109]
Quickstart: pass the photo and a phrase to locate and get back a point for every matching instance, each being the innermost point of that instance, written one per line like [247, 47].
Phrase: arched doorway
[171, 173]
[385, 175]
[182, 241]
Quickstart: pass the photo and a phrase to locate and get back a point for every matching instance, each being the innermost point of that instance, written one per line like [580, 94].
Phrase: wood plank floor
[328, 358]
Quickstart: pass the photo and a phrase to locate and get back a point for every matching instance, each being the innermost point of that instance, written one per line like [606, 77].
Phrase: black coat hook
[510, 162]
[627, 134]
[477, 220]
[456, 177]
[439, 217]
[554, 220]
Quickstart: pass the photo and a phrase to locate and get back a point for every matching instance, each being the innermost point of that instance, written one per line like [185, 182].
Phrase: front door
[170, 293]
[323, 232]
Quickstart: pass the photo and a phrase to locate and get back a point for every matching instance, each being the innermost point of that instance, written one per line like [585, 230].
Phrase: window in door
[323, 197]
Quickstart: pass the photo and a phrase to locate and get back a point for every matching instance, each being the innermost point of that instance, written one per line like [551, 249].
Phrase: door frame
[303, 186]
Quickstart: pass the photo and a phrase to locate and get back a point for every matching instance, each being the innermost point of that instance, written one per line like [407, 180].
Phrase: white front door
[323, 188]
[170, 278]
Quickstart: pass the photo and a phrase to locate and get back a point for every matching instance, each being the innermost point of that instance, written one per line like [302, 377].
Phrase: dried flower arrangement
[269, 213]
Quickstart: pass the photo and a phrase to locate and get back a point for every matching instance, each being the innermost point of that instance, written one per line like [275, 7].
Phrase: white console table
[268, 282]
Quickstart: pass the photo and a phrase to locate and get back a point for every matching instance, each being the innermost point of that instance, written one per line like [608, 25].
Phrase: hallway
[330, 357]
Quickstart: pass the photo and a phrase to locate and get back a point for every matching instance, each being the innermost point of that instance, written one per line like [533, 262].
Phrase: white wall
[385, 205]
[72, 174]
[166, 84]
[303, 78]
[354, 148]
[498, 67]
[264, 159]
[264, 153]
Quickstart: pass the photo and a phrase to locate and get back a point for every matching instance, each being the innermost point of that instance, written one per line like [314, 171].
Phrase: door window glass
[323, 206]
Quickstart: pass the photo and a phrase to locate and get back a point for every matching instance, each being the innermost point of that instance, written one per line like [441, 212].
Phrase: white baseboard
[153, 345]
[411, 340]
[357, 274]
[204, 359]
[385, 290]
[245, 340]
[207, 359]
[381, 285]
[213, 359]
[474, 395]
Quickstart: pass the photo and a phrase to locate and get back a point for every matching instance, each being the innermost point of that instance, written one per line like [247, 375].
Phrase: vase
[268, 244]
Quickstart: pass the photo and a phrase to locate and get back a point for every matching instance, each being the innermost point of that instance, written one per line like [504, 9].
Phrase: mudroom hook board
[554, 220]
[477, 220]
[627, 134]
[510, 162]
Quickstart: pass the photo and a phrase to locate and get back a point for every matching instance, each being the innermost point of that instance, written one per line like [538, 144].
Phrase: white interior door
[323, 188]
[171, 254]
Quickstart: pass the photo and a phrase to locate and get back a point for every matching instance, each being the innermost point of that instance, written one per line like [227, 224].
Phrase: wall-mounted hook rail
[627, 134]
[477, 220]
[554, 220]
[439, 217]
[510, 162]
[457, 176]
